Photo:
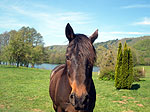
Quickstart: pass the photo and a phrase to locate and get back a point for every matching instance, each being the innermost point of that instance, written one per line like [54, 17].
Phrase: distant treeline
[27, 46]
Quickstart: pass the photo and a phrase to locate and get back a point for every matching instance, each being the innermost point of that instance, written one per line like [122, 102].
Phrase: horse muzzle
[79, 103]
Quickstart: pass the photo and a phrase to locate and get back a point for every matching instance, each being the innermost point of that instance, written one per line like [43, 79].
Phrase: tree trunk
[32, 65]
[26, 64]
[17, 63]
[21, 64]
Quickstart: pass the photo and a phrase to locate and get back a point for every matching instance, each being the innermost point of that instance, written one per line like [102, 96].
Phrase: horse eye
[89, 66]
[67, 57]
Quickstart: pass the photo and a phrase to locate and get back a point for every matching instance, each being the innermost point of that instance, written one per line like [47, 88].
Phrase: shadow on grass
[135, 87]
[142, 80]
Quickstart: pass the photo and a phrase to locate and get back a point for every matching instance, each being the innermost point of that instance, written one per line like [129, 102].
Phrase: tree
[107, 64]
[130, 68]
[33, 45]
[100, 53]
[25, 46]
[118, 68]
[36, 55]
[16, 47]
[4, 41]
[124, 68]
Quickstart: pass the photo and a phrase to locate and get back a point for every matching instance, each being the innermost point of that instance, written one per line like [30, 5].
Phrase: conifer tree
[118, 68]
[130, 68]
[125, 68]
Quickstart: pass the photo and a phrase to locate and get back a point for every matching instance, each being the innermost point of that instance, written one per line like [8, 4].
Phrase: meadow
[27, 90]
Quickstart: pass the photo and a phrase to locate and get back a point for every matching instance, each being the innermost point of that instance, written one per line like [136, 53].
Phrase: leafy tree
[107, 65]
[33, 45]
[4, 40]
[36, 55]
[147, 61]
[16, 47]
[100, 53]
[24, 46]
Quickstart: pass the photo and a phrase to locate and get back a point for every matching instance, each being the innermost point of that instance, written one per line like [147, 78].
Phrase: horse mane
[82, 46]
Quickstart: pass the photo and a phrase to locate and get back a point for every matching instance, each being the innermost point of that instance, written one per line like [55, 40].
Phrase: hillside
[59, 48]
[130, 42]
[55, 54]
[140, 47]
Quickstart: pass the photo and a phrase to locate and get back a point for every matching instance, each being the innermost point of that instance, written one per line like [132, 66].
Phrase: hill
[130, 42]
[140, 49]
[55, 54]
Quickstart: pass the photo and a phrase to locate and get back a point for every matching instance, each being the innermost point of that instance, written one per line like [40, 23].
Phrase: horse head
[80, 57]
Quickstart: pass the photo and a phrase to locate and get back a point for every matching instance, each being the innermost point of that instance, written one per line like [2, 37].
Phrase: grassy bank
[26, 90]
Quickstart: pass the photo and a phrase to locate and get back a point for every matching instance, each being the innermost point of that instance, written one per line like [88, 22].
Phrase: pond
[52, 66]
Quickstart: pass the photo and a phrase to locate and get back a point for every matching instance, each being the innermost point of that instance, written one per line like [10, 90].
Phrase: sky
[114, 19]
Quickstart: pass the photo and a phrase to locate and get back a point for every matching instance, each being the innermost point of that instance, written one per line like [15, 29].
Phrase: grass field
[26, 90]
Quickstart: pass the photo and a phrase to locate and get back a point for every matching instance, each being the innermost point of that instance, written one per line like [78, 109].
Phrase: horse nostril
[72, 99]
[86, 99]
[72, 96]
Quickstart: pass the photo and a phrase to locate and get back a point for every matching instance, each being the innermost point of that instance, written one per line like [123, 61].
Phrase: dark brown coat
[71, 86]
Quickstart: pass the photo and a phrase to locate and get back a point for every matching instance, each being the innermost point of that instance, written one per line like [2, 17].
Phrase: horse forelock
[82, 47]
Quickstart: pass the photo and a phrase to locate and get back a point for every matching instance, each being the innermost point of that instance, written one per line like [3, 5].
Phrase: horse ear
[94, 36]
[69, 32]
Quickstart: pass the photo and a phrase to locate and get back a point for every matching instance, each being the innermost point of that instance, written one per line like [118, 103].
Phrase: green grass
[26, 90]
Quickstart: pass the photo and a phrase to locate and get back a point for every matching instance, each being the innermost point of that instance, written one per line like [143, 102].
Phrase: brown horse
[71, 85]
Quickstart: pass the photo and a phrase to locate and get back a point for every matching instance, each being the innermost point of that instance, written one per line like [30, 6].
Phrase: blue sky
[113, 18]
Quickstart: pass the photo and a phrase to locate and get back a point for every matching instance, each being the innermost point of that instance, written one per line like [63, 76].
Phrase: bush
[107, 74]
[138, 73]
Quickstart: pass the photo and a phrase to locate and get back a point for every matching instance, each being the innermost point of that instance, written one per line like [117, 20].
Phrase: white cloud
[10, 23]
[136, 6]
[50, 24]
[105, 36]
[146, 21]
[125, 33]
[55, 19]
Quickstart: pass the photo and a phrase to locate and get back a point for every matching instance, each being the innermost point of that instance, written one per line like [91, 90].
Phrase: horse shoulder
[57, 69]
[54, 80]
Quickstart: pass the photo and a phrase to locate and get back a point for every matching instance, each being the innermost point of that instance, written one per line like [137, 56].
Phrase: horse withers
[71, 85]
